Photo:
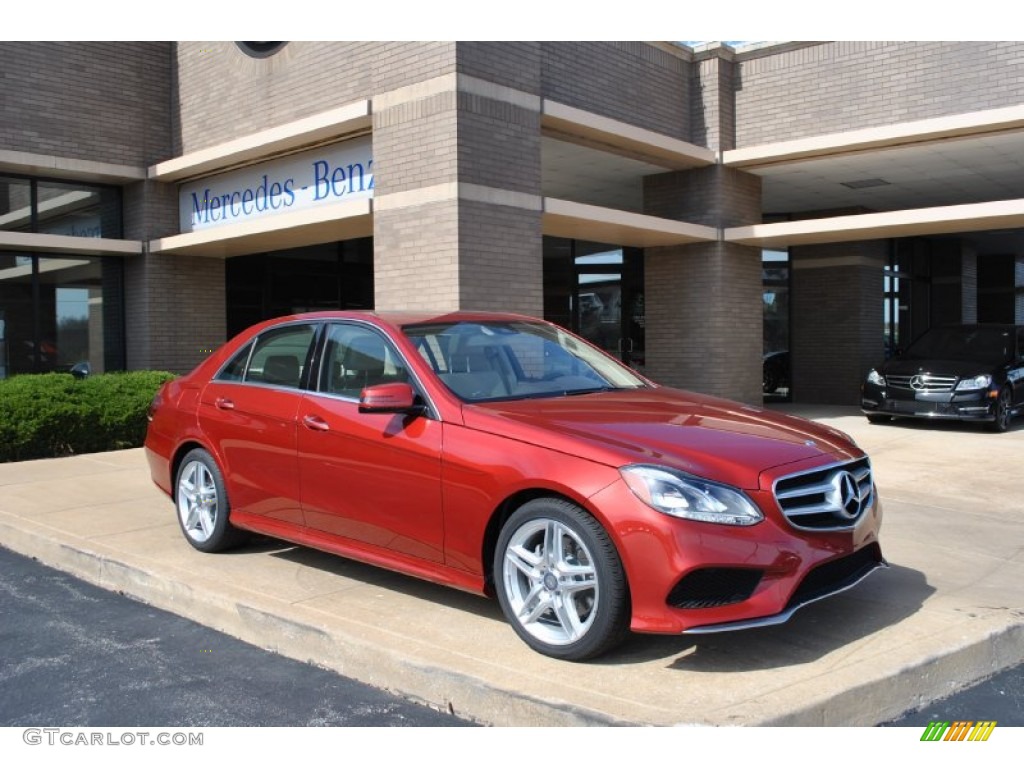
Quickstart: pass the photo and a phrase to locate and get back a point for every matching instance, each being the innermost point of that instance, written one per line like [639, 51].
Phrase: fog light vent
[714, 587]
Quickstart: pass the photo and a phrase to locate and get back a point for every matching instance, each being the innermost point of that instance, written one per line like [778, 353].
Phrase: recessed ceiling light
[865, 183]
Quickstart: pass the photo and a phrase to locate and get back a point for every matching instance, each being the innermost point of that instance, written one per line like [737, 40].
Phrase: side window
[235, 370]
[1020, 343]
[356, 357]
[278, 357]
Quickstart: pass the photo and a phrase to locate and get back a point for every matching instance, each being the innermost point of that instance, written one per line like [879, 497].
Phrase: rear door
[248, 413]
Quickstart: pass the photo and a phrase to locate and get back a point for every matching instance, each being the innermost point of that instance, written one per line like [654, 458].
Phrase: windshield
[973, 344]
[512, 360]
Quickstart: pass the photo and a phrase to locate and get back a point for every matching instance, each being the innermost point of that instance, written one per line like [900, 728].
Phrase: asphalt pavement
[72, 654]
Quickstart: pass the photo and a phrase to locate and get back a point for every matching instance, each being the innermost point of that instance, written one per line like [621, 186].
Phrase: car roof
[410, 317]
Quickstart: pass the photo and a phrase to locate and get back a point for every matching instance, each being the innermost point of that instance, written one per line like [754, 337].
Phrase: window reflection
[59, 312]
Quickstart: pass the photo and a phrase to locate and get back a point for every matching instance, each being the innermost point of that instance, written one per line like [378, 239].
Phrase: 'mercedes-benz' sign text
[324, 175]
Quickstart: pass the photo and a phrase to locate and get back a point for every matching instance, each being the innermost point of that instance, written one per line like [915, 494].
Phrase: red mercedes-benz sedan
[502, 454]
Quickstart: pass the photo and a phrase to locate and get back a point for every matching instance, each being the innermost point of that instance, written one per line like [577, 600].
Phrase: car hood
[709, 437]
[907, 366]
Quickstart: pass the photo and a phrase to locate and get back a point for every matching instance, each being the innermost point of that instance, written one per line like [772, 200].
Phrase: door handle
[224, 404]
[315, 423]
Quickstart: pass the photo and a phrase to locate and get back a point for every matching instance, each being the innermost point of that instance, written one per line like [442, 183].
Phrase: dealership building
[689, 209]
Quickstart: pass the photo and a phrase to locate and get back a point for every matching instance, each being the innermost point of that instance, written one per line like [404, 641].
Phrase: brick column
[703, 301]
[174, 305]
[836, 322]
[457, 206]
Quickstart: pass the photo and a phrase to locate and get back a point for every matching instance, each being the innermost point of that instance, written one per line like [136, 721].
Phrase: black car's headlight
[974, 382]
[680, 495]
[874, 377]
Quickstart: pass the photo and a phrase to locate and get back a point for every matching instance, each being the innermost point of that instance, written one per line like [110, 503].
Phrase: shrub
[55, 414]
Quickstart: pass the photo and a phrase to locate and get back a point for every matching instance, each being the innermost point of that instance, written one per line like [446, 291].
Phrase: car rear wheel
[203, 508]
[1001, 410]
[560, 581]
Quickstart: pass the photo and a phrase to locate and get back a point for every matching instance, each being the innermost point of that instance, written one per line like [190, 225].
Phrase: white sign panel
[319, 176]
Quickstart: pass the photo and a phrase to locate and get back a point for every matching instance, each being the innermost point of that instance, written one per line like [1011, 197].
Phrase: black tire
[769, 383]
[202, 503]
[1002, 410]
[580, 582]
[879, 418]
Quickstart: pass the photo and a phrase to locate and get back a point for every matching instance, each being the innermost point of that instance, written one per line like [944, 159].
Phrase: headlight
[874, 377]
[976, 382]
[680, 495]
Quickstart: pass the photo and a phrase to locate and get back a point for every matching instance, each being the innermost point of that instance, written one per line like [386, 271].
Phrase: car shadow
[883, 600]
[372, 575]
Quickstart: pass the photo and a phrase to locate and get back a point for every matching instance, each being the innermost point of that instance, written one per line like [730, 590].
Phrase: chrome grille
[828, 498]
[922, 382]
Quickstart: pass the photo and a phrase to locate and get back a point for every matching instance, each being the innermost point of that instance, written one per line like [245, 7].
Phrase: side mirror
[397, 397]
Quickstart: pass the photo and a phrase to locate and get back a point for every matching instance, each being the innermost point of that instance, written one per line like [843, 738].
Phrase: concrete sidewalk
[950, 610]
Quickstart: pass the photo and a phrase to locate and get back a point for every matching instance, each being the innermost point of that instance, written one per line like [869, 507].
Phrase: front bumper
[977, 405]
[692, 577]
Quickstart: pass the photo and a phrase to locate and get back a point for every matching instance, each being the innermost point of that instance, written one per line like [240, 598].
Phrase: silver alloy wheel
[197, 501]
[551, 581]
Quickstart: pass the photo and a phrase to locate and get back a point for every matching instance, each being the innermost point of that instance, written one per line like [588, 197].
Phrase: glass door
[597, 291]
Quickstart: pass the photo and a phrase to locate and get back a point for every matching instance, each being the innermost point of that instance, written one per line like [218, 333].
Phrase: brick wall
[704, 323]
[512, 64]
[500, 262]
[633, 82]
[416, 257]
[703, 301]
[713, 103]
[223, 93]
[174, 308]
[837, 324]
[842, 86]
[102, 101]
[438, 245]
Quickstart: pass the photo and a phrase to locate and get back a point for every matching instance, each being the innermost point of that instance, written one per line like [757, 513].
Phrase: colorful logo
[961, 730]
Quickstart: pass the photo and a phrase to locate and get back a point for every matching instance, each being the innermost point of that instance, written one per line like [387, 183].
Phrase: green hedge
[55, 414]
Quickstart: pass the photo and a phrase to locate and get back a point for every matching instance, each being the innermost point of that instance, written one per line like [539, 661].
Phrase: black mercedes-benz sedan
[966, 372]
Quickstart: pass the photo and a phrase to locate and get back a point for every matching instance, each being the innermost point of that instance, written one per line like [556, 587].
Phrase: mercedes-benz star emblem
[917, 382]
[846, 494]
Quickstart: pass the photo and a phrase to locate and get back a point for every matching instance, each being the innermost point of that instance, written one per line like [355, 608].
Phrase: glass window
[280, 356]
[357, 357]
[15, 204]
[513, 360]
[775, 308]
[235, 369]
[77, 210]
[59, 208]
[60, 313]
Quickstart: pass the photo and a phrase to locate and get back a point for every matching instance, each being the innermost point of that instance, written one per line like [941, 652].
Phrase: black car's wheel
[560, 581]
[1001, 410]
[879, 418]
[202, 501]
[769, 381]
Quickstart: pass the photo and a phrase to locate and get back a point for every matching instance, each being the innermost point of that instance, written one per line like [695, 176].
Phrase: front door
[370, 478]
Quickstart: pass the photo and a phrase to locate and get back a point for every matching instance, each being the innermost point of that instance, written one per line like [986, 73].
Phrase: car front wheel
[1001, 411]
[202, 502]
[560, 581]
